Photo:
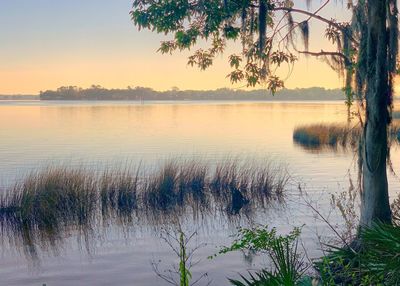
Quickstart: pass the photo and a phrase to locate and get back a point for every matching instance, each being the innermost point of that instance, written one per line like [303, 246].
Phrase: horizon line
[244, 89]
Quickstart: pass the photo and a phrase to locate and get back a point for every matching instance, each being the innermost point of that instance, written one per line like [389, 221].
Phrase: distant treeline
[18, 97]
[143, 93]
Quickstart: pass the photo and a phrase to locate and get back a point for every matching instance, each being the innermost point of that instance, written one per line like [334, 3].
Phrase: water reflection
[101, 136]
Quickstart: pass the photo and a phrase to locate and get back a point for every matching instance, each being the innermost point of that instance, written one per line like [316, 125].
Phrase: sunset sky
[50, 43]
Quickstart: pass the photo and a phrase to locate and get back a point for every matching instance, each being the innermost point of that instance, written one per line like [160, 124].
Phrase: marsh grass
[49, 203]
[332, 135]
[335, 135]
[227, 185]
[160, 188]
[37, 210]
[238, 183]
[52, 197]
[118, 190]
[192, 180]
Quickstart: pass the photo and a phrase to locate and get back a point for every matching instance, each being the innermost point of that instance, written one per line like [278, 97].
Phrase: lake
[99, 135]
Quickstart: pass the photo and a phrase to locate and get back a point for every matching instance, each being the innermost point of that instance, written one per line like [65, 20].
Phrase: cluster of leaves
[218, 22]
[259, 239]
[266, 29]
[288, 264]
[376, 262]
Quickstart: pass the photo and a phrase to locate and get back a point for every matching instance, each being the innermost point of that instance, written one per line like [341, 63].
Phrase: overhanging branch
[318, 17]
[347, 61]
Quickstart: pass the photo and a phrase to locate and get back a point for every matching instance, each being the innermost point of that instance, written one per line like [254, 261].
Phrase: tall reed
[335, 135]
[54, 200]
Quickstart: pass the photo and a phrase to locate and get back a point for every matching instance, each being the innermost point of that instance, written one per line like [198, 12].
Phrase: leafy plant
[377, 261]
[180, 275]
[288, 265]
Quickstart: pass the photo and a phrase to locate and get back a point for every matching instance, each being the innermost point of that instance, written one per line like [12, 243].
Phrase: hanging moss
[347, 50]
[252, 21]
[262, 24]
[359, 26]
[305, 33]
[393, 46]
[393, 35]
[244, 27]
[291, 28]
[244, 19]
[290, 21]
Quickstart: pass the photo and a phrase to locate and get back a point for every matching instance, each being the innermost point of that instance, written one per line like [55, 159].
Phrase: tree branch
[318, 17]
[323, 53]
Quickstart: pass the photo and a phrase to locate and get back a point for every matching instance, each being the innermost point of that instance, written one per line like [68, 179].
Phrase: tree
[365, 54]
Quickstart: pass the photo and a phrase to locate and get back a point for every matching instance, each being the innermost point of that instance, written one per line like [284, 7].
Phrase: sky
[45, 44]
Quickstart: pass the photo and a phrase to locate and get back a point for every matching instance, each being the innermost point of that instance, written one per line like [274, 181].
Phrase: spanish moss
[393, 44]
[305, 33]
[262, 24]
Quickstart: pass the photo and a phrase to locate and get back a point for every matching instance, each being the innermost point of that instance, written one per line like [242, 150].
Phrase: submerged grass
[57, 199]
[334, 135]
[37, 210]
[160, 188]
[51, 197]
[118, 190]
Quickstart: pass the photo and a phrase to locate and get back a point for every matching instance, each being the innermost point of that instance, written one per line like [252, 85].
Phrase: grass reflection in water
[44, 208]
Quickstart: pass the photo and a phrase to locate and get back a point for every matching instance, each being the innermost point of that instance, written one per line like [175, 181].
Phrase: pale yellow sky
[45, 49]
[160, 72]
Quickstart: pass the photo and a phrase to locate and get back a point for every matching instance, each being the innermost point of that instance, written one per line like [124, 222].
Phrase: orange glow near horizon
[79, 48]
[160, 72]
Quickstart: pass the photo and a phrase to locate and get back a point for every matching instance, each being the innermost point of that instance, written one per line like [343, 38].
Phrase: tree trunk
[374, 197]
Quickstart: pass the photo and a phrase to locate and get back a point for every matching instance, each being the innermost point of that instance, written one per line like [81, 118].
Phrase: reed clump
[48, 202]
[335, 135]
[236, 183]
[118, 191]
[331, 134]
[229, 185]
[160, 191]
[45, 205]
[52, 197]
[192, 180]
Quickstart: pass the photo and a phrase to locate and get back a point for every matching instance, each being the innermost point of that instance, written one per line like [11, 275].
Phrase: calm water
[97, 135]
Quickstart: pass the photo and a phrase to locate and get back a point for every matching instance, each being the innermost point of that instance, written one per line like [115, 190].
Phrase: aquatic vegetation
[118, 191]
[50, 197]
[234, 184]
[229, 185]
[47, 203]
[37, 210]
[334, 135]
[192, 179]
[160, 188]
